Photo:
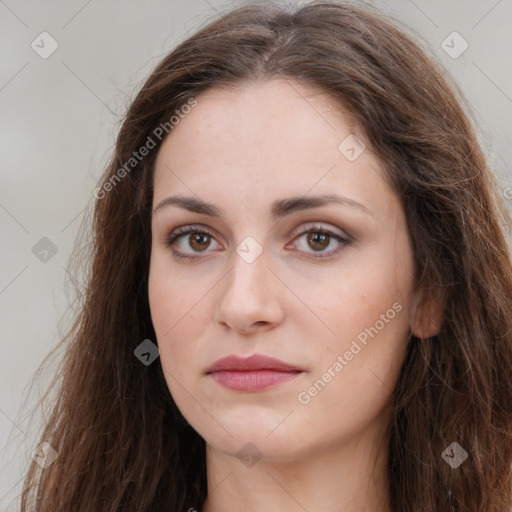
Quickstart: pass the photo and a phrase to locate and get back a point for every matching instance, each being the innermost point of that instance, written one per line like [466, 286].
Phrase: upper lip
[254, 362]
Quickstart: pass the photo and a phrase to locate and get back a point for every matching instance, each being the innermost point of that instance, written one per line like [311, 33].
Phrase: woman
[299, 216]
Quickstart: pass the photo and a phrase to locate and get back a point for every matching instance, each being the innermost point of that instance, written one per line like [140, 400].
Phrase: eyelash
[187, 230]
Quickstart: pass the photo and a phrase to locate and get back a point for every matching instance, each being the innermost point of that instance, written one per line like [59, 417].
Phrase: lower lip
[256, 380]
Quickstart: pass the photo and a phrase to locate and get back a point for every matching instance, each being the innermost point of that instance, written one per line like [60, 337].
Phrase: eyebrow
[279, 208]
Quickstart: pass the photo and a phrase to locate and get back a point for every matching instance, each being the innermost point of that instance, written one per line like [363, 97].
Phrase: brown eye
[190, 241]
[199, 241]
[317, 240]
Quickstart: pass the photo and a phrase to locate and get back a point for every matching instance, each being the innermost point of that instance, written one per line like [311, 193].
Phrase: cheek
[353, 381]
[178, 316]
[362, 293]
[175, 297]
[369, 314]
[175, 314]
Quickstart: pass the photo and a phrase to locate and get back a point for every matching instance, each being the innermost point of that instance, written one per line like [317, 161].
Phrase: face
[270, 268]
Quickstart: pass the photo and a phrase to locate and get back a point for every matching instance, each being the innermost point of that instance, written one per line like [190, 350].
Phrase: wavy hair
[122, 443]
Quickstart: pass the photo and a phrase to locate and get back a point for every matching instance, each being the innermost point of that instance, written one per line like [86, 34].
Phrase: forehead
[276, 114]
[265, 139]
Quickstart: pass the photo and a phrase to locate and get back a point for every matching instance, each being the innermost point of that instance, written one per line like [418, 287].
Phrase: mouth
[255, 373]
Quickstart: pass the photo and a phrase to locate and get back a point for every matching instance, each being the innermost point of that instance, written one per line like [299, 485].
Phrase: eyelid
[187, 229]
[320, 226]
[343, 238]
[302, 229]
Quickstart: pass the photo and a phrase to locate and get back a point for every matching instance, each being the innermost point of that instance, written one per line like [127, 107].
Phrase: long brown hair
[122, 444]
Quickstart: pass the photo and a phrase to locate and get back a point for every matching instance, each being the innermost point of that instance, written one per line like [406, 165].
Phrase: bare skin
[241, 150]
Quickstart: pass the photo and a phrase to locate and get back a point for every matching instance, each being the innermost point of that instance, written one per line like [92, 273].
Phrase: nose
[250, 299]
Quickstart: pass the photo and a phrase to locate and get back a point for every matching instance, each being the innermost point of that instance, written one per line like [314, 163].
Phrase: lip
[254, 362]
[254, 373]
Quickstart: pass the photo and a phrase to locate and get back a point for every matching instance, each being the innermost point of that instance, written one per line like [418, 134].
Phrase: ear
[426, 315]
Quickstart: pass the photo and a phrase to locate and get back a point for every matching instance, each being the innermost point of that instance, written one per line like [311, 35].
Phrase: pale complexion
[241, 150]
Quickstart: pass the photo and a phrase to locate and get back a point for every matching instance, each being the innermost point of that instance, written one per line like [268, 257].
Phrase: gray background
[59, 118]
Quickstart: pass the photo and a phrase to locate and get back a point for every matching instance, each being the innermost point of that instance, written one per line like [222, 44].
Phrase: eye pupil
[318, 238]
